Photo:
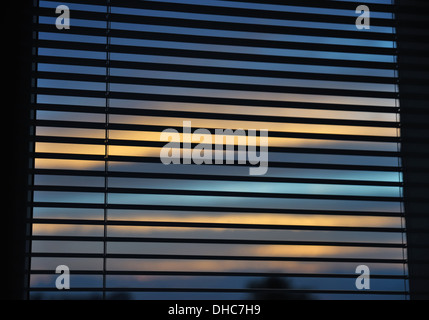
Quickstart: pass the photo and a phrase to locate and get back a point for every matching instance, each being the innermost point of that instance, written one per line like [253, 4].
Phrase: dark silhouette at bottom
[275, 288]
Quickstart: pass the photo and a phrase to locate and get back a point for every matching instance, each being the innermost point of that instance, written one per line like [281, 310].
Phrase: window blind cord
[106, 142]
[33, 116]
[398, 146]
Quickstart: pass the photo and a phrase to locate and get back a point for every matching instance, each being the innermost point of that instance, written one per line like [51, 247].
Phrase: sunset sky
[289, 127]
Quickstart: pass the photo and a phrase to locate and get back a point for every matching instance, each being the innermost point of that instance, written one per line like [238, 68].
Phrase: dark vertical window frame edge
[413, 62]
[19, 35]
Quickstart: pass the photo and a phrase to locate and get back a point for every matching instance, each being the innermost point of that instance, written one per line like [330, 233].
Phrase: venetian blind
[128, 226]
